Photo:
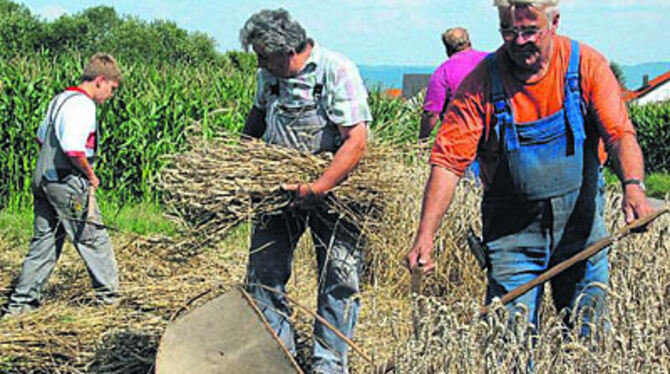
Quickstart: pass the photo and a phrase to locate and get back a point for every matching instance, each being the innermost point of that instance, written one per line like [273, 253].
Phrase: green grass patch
[658, 184]
[142, 218]
[16, 224]
[610, 177]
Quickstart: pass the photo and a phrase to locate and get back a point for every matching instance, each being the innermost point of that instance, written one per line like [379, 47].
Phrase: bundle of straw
[228, 180]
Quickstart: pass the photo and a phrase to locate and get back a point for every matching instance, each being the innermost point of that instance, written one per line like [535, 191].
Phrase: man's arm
[255, 124]
[629, 164]
[428, 122]
[344, 161]
[437, 197]
[82, 164]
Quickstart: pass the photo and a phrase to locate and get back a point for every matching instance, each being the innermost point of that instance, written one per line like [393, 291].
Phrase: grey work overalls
[60, 205]
[302, 123]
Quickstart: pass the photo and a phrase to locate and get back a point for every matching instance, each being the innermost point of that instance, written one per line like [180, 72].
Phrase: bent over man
[535, 115]
[313, 100]
[63, 175]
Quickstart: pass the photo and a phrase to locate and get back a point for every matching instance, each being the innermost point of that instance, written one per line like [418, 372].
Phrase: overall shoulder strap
[498, 97]
[573, 103]
[572, 74]
[501, 106]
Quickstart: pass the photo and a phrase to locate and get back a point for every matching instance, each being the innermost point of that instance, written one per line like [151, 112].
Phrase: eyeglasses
[526, 33]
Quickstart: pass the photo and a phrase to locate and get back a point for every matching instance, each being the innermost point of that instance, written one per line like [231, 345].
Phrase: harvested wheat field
[69, 334]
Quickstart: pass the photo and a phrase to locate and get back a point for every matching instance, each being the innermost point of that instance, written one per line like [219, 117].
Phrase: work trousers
[526, 238]
[60, 209]
[339, 266]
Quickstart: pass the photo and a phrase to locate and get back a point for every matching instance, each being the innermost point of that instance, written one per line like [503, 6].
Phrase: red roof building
[655, 90]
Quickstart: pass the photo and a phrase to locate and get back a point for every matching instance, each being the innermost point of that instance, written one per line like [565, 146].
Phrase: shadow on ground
[127, 352]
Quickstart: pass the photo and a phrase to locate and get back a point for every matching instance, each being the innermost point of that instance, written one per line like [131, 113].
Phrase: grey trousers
[55, 207]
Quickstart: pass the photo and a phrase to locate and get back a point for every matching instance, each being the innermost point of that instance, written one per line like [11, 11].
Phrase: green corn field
[147, 118]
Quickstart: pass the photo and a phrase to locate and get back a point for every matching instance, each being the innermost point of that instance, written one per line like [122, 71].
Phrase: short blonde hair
[105, 65]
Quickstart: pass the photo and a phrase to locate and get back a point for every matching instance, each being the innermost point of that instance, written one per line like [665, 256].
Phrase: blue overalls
[545, 204]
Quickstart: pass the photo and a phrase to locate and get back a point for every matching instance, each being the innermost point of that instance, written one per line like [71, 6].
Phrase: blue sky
[406, 32]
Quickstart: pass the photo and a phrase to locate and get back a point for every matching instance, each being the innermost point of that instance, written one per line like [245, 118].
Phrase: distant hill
[635, 73]
[388, 76]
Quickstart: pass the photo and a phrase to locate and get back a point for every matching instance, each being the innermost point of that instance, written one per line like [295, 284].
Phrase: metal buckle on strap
[499, 104]
[573, 82]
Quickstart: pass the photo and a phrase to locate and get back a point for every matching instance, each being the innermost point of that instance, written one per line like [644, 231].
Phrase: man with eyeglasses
[537, 115]
[313, 100]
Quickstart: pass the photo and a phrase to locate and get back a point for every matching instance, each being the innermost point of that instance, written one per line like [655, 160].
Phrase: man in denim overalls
[313, 100]
[536, 115]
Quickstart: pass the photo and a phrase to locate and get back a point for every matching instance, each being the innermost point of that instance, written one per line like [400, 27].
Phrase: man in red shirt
[535, 115]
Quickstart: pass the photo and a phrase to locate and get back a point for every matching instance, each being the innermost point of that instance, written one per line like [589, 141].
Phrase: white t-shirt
[75, 124]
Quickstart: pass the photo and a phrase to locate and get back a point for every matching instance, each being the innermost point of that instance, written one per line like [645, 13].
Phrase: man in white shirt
[61, 182]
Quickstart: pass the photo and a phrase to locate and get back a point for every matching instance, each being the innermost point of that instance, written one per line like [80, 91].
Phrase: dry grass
[223, 182]
[70, 335]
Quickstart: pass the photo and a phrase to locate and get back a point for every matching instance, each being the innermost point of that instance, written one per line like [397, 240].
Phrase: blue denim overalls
[545, 203]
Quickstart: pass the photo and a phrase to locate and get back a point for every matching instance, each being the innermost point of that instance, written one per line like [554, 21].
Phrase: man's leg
[518, 237]
[340, 261]
[95, 248]
[70, 201]
[270, 258]
[45, 248]
[580, 289]
[513, 265]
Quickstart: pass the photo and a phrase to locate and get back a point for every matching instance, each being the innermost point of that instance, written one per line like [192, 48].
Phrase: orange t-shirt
[467, 123]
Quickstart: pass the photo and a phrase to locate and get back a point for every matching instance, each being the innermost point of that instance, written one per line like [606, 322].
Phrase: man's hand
[305, 196]
[82, 164]
[420, 255]
[94, 181]
[635, 204]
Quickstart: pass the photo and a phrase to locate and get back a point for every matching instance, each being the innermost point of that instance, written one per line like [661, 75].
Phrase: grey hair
[549, 7]
[275, 31]
[456, 39]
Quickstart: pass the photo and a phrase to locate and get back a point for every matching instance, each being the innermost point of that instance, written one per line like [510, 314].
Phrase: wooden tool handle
[417, 279]
[581, 256]
[91, 216]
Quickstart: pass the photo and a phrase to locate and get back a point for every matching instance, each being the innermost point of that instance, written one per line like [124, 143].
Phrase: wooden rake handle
[581, 256]
[90, 214]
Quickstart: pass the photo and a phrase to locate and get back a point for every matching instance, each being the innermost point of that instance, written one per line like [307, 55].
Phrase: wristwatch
[634, 181]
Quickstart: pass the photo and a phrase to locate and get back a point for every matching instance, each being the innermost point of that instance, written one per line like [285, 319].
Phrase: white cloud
[52, 12]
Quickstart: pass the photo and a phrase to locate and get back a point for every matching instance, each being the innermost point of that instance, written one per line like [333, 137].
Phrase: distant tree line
[101, 28]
